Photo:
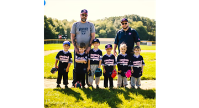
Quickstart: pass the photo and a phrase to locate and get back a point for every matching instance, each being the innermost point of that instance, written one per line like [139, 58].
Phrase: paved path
[145, 84]
[71, 50]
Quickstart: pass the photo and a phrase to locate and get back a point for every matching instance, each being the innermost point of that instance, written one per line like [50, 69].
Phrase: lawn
[148, 74]
[102, 46]
[99, 98]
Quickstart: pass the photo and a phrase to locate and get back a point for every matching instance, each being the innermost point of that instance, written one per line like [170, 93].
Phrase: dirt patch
[145, 84]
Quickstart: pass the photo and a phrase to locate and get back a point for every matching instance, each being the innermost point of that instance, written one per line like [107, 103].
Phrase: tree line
[104, 28]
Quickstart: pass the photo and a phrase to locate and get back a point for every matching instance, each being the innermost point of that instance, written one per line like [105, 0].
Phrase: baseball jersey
[123, 63]
[129, 37]
[95, 56]
[108, 61]
[136, 63]
[81, 67]
[83, 32]
[64, 58]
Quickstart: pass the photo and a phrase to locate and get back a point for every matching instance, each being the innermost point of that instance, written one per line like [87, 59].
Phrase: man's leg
[74, 72]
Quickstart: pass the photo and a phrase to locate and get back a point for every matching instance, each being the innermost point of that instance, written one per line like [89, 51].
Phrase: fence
[102, 41]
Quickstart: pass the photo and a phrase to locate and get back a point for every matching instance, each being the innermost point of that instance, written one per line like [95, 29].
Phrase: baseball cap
[124, 19]
[96, 40]
[84, 11]
[66, 42]
[108, 46]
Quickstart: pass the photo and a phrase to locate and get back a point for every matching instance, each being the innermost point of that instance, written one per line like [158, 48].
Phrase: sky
[99, 9]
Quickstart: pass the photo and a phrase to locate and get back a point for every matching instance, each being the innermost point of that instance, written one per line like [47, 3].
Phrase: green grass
[99, 98]
[102, 46]
[148, 74]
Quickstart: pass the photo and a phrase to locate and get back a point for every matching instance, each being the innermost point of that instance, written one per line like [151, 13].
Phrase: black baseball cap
[96, 40]
[84, 11]
[124, 19]
[108, 46]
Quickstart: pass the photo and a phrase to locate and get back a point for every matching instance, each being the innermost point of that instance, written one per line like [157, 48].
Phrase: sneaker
[138, 88]
[58, 86]
[133, 87]
[97, 86]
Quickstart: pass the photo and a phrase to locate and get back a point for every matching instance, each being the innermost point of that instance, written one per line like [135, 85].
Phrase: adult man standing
[82, 32]
[127, 35]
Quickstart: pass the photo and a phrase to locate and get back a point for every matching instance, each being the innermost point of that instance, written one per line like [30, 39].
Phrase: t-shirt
[129, 37]
[136, 63]
[81, 67]
[64, 58]
[123, 63]
[95, 56]
[108, 61]
[82, 32]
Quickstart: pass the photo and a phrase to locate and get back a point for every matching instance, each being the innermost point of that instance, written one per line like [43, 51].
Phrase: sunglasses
[84, 15]
[124, 23]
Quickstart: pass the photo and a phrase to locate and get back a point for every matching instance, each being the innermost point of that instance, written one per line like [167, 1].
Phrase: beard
[125, 27]
[83, 19]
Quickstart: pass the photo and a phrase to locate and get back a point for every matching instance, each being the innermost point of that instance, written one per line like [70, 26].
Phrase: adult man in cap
[82, 32]
[127, 35]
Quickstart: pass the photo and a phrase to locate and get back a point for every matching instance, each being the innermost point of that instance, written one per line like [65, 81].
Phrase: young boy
[94, 62]
[81, 64]
[65, 59]
[137, 64]
[123, 63]
[109, 64]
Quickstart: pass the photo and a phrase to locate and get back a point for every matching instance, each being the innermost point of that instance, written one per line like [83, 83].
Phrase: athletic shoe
[133, 87]
[66, 86]
[58, 86]
[97, 86]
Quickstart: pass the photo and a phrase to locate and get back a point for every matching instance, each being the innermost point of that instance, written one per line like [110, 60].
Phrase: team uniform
[108, 61]
[94, 56]
[136, 62]
[64, 58]
[123, 64]
[81, 68]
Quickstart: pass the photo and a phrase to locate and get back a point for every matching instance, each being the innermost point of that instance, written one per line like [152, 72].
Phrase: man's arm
[91, 40]
[74, 42]
[114, 50]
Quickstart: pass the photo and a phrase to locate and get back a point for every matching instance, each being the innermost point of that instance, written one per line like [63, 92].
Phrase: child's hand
[119, 71]
[142, 71]
[88, 68]
[56, 67]
[104, 71]
[84, 62]
[67, 69]
[132, 71]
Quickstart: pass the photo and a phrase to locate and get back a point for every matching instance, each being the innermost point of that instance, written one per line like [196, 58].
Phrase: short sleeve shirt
[95, 56]
[123, 63]
[81, 67]
[136, 63]
[108, 61]
[64, 58]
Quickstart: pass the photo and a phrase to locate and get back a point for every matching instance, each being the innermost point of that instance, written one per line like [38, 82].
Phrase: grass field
[102, 46]
[99, 98]
[148, 74]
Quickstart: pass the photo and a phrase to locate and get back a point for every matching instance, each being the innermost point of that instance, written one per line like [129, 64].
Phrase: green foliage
[104, 28]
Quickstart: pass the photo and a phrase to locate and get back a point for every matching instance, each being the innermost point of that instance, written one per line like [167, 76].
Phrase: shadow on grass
[70, 92]
[109, 96]
[103, 95]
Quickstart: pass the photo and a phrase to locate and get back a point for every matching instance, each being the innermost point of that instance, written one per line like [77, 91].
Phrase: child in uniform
[81, 64]
[65, 59]
[137, 64]
[123, 63]
[94, 62]
[109, 64]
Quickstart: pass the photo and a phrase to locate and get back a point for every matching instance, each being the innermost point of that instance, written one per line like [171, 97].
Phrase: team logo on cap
[129, 33]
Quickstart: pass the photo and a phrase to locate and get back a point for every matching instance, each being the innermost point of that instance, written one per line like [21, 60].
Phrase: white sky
[98, 9]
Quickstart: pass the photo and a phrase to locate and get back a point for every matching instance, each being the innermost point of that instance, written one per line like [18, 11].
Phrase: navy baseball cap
[124, 19]
[84, 11]
[96, 40]
[108, 46]
[66, 42]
